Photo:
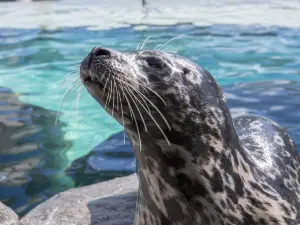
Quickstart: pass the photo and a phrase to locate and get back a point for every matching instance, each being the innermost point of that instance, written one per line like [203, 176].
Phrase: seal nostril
[102, 53]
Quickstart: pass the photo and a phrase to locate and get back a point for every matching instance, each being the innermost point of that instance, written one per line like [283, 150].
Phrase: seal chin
[94, 87]
[94, 90]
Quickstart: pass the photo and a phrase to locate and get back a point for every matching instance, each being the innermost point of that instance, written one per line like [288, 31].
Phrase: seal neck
[189, 178]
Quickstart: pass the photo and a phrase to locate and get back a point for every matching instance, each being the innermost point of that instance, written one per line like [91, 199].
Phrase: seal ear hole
[154, 63]
[185, 71]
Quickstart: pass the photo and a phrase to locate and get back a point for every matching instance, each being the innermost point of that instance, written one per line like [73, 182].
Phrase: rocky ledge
[107, 203]
[7, 216]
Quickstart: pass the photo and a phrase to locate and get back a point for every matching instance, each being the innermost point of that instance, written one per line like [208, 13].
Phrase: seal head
[195, 164]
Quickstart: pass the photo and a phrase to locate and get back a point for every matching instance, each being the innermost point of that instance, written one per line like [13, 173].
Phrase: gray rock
[7, 216]
[107, 203]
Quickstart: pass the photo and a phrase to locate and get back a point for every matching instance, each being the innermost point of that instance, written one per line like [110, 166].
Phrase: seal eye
[154, 63]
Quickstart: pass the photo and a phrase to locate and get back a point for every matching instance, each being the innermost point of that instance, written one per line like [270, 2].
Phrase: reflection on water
[29, 146]
[257, 66]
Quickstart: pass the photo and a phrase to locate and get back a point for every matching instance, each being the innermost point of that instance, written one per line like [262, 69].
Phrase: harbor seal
[196, 165]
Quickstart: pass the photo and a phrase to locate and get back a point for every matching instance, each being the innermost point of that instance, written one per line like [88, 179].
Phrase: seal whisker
[145, 42]
[130, 108]
[141, 46]
[156, 123]
[103, 91]
[148, 88]
[67, 93]
[111, 91]
[104, 86]
[157, 46]
[77, 85]
[77, 102]
[113, 96]
[72, 73]
[149, 42]
[154, 106]
[129, 105]
[140, 81]
[132, 87]
[132, 98]
[70, 78]
[102, 77]
[138, 47]
[172, 39]
[117, 97]
[122, 113]
[154, 92]
[145, 103]
[108, 94]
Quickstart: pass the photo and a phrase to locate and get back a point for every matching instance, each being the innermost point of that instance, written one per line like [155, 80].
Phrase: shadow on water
[30, 144]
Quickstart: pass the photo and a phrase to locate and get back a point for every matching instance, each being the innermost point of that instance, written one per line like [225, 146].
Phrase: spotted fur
[200, 167]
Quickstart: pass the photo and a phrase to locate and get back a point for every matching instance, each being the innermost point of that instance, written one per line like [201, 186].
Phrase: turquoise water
[257, 66]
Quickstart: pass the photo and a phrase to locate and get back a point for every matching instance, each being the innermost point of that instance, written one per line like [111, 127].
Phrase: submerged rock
[111, 158]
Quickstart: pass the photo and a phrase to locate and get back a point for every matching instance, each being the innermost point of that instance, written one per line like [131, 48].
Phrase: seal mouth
[87, 80]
